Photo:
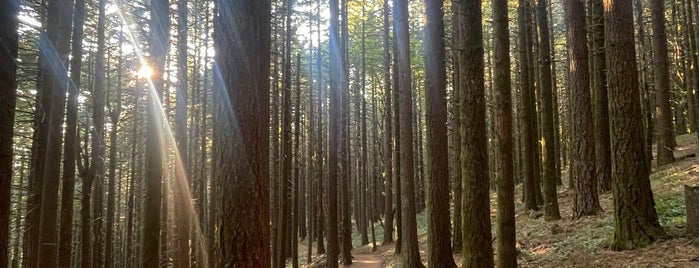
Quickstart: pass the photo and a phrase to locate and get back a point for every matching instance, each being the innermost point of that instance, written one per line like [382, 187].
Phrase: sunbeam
[167, 137]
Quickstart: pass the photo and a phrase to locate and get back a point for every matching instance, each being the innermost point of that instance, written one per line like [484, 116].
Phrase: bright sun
[145, 71]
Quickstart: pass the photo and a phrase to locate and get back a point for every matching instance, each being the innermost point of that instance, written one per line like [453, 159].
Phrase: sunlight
[166, 138]
[145, 71]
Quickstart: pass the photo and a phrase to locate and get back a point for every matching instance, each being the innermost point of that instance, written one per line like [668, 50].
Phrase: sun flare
[145, 71]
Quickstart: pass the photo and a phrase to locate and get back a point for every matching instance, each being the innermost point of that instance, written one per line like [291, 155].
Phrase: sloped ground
[584, 242]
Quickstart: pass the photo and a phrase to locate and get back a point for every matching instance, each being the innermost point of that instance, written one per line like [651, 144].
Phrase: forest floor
[578, 243]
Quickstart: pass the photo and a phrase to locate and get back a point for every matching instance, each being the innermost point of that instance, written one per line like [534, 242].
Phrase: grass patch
[600, 232]
[671, 210]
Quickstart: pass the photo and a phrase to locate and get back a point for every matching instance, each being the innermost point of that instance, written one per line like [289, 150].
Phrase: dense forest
[373, 133]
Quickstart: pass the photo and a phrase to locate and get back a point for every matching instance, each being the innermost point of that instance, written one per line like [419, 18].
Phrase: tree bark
[636, 222]
[70, 148]
[439, 223]
[333, 137]
[603, 162]
[529, 148]
[410, 254]
[182, 192]
[506, 237]
[54, 49]
[666, 135]
[241, 131]
[8, 99]
[475, 219]
[388, 130]
[159, 39]
[551, 211]
[582, 166]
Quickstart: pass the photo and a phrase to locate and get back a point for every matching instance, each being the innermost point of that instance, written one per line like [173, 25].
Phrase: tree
[603, 162]
[636, 222]
[54, 49]
[455, 143]
[551, 211]
[666, 133]
[410, 254]
[8, 98]
[285, 185]
[388, 131]
[241, 131]
[333, 135]
[70, 147]
[96, 171]
[582, 163]
[506, 237]
[114, 106]
[438, 229]
[475, 219]
[529, 147]
[181, 257]
[158, 41]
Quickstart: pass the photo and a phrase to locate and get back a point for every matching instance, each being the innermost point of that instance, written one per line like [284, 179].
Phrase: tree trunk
[333, 137]
[182, 196]
[241, 132]
[603, 162]
[475, 219]
[582, 166]
[529, 148]
[439, 223]
[410, 255]
[551, 211]
[457, 244]
[8, 98]
[666, 135]
[53, 68]
[506, 237]
[388, 131]
[160, 25]
[636, 222]
[70, 148]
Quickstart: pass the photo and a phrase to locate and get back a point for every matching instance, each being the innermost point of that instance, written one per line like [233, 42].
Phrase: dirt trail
[366, 261]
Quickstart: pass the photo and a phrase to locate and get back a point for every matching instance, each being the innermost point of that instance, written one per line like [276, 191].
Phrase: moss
[671, 210]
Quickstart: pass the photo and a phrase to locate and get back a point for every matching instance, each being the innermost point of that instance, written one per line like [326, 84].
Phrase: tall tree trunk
[636, 222]
[438, 229]
[529, 148]
[363, 176]
[410, 254]
[159, 39]
[551, 211]
[65, 247]
[455, 110]
[388, 131]
[603, 161]
[333, 138]
[8, 99]
[582, 165]
[320, 220]
[241, 131]
[98, 142]
[285, 185]
[54, 49]
[665, 129]
[345, 169]
[298, 189]
[42, 109]
[182, 196]
[475, 219]
[115, 114]
[506, 237]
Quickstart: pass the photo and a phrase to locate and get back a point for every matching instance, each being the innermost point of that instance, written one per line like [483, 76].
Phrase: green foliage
[671, 210]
